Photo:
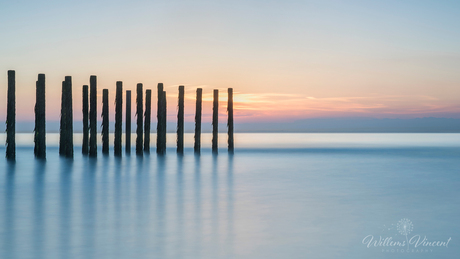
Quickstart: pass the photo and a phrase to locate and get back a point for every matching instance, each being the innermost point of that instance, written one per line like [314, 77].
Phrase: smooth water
[278, 196]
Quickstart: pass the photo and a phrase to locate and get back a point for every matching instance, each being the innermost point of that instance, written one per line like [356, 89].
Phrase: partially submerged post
[40, 120]
[197, 145]
[148, 115]
[118, 118]
[180, 121]
[139, 114]
[128, 122]
[11, 117]
[69, 146]
[159, 114]
[85, 110]
[105, 121]
[93, 117]
[62, 122]
[164, 122]
[161, 118]
[66, 132]
[230, 120]
[215, 120]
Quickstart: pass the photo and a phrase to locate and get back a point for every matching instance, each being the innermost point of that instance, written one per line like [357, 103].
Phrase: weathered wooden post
[128, 122]
[66, 132]
[164, 122]
[215, 120]
[11, 117]
[161, 120]
[180, 121]
[163, 111]
[69, 146]
[105, 121]
[197, 145]
[148, 115]
[118, 118]
[40, 119]
[85, 110]
[93, 117]
[63, 121]
[230, 121]
[159, 114]
[139, 114]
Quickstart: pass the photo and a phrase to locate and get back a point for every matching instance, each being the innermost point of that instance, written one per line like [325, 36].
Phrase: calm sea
[278, 196]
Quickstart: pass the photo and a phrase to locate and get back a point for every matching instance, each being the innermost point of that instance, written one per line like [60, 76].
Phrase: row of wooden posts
[89, 109]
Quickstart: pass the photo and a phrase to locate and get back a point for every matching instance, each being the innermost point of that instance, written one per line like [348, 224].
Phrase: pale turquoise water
[279, 196]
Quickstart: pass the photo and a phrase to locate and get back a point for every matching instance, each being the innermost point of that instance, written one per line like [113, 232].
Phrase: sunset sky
[286, 60]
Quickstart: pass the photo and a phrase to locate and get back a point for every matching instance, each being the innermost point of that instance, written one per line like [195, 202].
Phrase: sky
[286, 60]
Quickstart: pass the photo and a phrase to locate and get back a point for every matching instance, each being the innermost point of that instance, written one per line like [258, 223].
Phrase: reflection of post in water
[215, 197]
[142, 200]
[118, 193]
[180, 205]
[161, 204]
[230, 202]
[9, 225]
[38, 209]
[88, 207]
[65, 206]
[197, 202]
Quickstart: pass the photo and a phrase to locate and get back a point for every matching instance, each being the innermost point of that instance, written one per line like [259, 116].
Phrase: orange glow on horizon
[248, 107]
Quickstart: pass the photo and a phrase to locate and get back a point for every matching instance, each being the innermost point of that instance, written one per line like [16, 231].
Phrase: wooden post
[63, 122]
[11, 117]
[163, 144]
[118, 118]
[128, 122]
[85, 110]
[159, 114]
[180, 121]
[69, 146]
[139, 114]
[161, 120]
[230, 121]
[215, 120]
[105, 121]
[93, 117]
[66, 136]
[148, 115]
[197, 145]
[40, 119]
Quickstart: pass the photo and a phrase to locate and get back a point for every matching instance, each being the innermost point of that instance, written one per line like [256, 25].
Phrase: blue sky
[298, 59]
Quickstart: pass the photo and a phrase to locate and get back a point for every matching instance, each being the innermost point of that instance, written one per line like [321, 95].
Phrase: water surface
[279, 196]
